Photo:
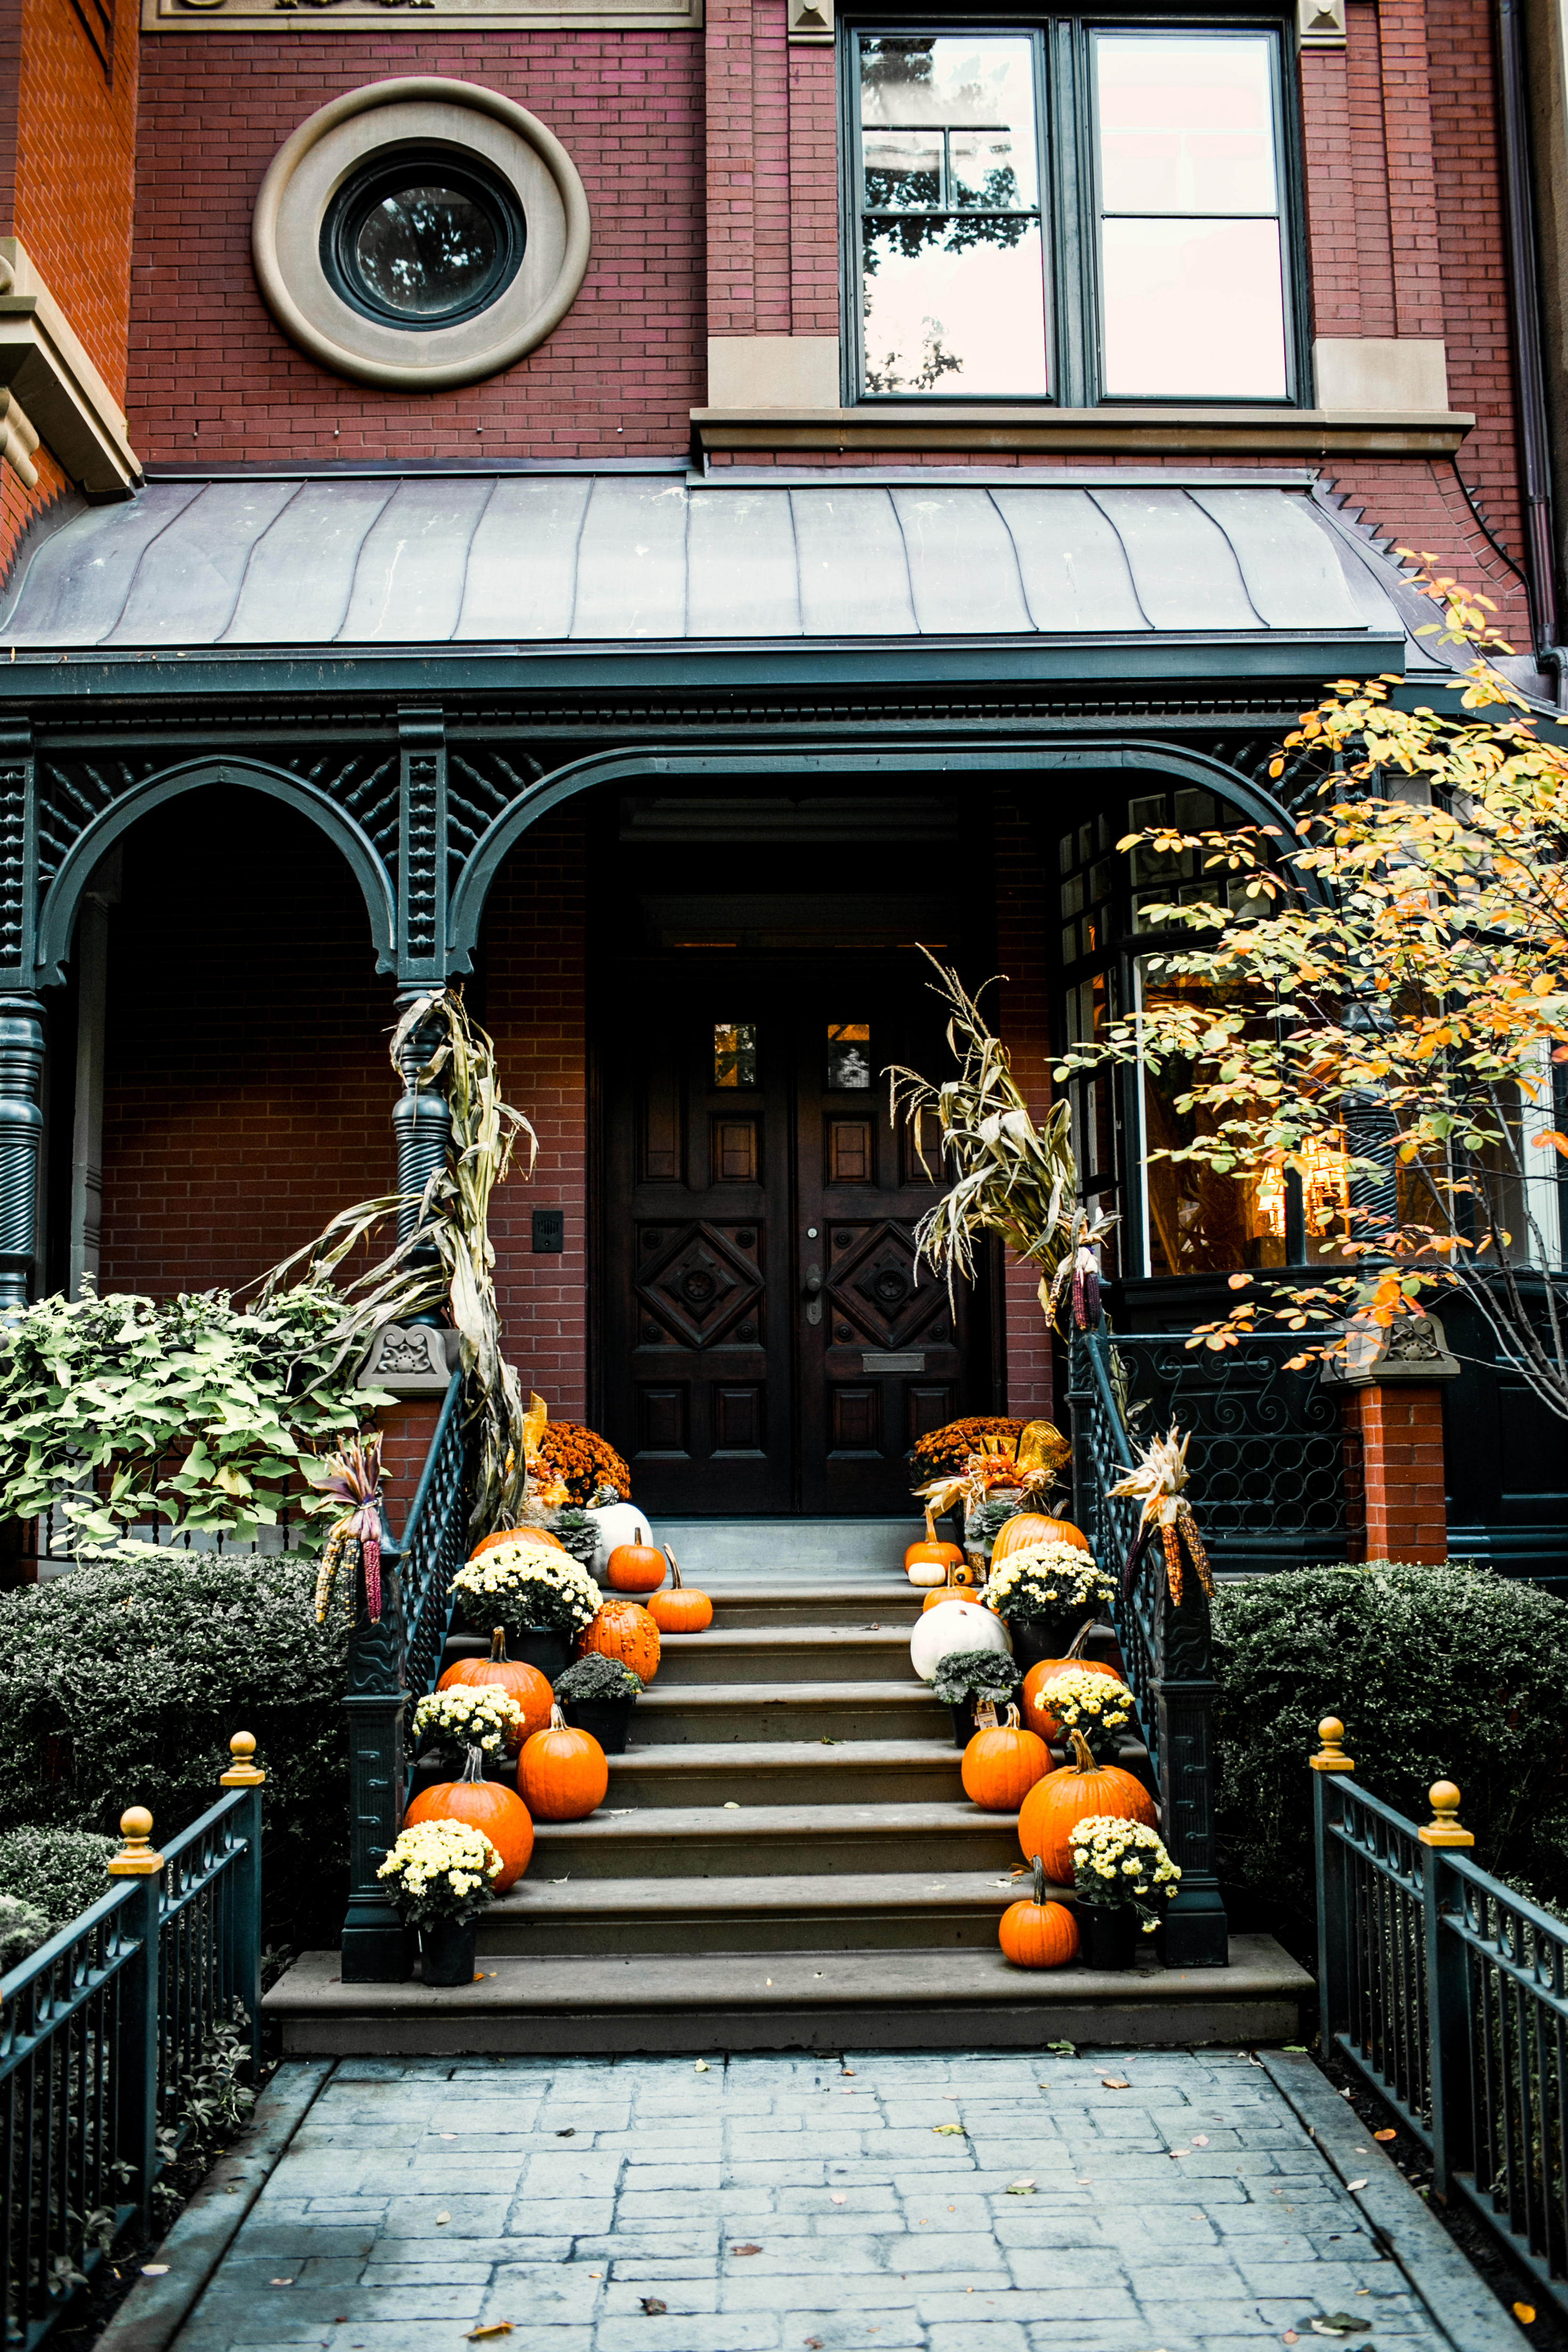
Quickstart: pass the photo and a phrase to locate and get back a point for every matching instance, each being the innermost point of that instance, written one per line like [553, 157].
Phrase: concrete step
[890, 1600]
[771, 1841]
[703, 1713]
[786, 1654]
[891, 1912]
[575, 2005]
[789, 1772]
[729, 1550]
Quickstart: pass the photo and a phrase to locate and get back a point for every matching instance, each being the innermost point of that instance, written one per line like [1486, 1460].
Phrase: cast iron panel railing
[1448, 1992]
[99, 2031]
[1165, 1649]
[391, 1662]
[1267, 1447]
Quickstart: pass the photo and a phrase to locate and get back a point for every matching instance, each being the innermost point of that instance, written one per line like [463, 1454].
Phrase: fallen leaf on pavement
[1020, 2189]
[441, 2218]
[1289, 2336]
[1200, 2139]
[569, 2132]
[492, 2328]
[745, 2250]
[1389, 2133]
[1337, 2322]
[653, 2306]
[838, 2195]
[944, 2130]
[1524, 2312]
[288, 2282]
[1354, 2185]
[813, 2344]
[702, 2067]
[1116, 2082]
[159, 2270]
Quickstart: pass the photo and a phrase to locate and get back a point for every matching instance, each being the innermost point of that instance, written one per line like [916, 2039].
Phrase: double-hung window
[1076, 212]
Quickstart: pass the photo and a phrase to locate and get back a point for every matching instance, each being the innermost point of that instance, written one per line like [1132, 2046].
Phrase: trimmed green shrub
[121, 1684]
[1437, 1673]
[22, 1930]
[61, 1871]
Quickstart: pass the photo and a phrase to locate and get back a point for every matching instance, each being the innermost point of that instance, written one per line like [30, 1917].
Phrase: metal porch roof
[515, 560]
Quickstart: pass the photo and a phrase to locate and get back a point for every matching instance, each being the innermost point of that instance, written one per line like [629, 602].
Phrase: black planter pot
[544, 1646]
[963, 1723]
[1106, 1935]
[502, 1767]
[608, 1719]
[1035, 1638]
[446, 1952]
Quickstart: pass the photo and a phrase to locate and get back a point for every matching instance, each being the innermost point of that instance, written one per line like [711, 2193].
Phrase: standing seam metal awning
[433, 559]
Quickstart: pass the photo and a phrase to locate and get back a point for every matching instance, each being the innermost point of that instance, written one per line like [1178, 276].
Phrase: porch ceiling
[530, 560]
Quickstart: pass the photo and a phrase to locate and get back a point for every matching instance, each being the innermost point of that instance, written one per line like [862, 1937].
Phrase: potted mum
[1043, 1591]
[597, 1694]
[440, 1876]
[543, 1599]
[966, 1679]
[1078, 1699]
[1120, 1870]
[447, 1723]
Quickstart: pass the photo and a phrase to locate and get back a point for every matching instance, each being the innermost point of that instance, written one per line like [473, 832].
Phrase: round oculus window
[423, 240]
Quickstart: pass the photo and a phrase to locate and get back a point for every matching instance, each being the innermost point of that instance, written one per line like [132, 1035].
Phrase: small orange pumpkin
[1039, 1935]
[563, 1773]
[514, 1675]
[1002, 1762]
[928, 1552]
[1041, 1673]
[1033, 1528]
[635, 1568]
[959, 1578]
[484, 1805]
[1055, 1805]
[624, 1630]
[681, 1609]
[540, 1536]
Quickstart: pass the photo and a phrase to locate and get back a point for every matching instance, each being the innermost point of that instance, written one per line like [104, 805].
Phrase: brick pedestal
[1399, 1433]
[407, 1428]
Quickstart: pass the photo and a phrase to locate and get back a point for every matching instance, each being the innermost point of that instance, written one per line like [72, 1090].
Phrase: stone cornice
[1154, 433]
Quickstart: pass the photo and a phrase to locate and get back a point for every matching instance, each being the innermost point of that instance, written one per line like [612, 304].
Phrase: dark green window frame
[1069, 202]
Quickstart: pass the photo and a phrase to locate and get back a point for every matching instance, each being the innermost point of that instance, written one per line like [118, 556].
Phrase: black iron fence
[391, 1663]
[103, 2031]
[1166, 1650]
[1448, 1992]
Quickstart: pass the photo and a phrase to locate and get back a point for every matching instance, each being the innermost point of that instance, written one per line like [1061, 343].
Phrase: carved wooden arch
[1145, 755]
[57, 914]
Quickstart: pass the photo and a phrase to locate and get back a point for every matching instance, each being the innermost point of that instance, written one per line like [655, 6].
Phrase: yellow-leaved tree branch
[1385, 992]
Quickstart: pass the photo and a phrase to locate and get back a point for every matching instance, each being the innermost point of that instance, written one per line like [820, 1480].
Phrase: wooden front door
[767, 1346]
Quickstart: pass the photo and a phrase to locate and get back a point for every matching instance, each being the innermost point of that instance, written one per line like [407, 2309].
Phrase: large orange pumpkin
[1056, 1804]
[1001, 1764]
[624, 1630]
[514, 1675]
[562, 1774]
[1036, 1710]
[1034, 1527]
[483, 1805]
[540, 1536]
[681, 1609]
[1039, 1935]
[635, 1568]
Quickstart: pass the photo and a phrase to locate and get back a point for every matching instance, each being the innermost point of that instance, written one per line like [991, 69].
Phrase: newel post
[1449, 1993]
[1334, 1977]
[1196, 1929]
[1390, 1382]
[21, 1143]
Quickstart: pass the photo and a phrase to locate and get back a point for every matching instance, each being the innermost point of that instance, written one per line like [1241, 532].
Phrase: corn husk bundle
[354, 1475]
[1157, 1483]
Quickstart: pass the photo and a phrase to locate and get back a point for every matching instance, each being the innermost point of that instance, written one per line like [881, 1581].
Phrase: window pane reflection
[1186, 125]
[734, 1053]
[1194, 310]
[848, 1055]
[944, 313]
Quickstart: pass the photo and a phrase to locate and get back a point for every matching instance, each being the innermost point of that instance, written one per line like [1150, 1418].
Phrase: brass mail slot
[873, 1363]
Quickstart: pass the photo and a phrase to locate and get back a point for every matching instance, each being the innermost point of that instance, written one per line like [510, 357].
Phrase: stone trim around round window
[360, 131]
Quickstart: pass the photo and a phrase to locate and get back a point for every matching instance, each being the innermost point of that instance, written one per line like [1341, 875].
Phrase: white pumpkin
[954, 1625]
[927, 1572]
[617, 1523]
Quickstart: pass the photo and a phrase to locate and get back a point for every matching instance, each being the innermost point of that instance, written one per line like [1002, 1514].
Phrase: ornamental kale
[965, 1674]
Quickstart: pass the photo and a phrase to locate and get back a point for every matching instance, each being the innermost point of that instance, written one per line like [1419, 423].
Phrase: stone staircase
[785, 1860]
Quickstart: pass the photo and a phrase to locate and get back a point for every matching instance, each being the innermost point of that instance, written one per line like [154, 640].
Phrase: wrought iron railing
[101, 2031]
[391, 1662]
[1267, 1445]
[1166, 1651]
[1448, 1992]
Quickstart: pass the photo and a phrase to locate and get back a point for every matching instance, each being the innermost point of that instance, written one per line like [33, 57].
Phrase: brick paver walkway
[640, 2205]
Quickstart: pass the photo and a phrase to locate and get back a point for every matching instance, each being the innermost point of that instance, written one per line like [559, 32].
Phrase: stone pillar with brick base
[1390, 1380]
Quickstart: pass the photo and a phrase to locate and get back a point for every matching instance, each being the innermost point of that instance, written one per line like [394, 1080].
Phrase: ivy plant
[127, 1410]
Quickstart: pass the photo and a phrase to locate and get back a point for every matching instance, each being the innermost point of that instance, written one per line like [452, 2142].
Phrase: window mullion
[1062, 174]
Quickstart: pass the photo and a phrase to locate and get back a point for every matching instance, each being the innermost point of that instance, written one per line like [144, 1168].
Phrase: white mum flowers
[1118, 1862]
[470, 1715]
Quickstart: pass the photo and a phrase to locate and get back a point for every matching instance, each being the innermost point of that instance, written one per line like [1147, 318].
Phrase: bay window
[1071, 212]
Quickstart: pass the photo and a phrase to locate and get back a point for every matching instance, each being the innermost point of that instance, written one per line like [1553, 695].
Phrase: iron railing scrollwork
[1448, 1992]
[389, 1664]
[103, 2031]
[1166, 1651]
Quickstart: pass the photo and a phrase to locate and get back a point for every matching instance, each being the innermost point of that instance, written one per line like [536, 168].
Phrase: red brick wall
[1023, 912]
[248, 1094]
[772, 182]
[532, 959]
[1400, 1430]
[214, 378]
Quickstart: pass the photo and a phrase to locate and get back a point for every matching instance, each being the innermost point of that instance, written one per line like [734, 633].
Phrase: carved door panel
[881, 1358]
[697, 1292]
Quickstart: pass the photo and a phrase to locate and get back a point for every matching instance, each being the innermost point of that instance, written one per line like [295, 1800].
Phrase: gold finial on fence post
[243, 1772]
[1330, 1757]
[1443, 1829]
[136, 1858]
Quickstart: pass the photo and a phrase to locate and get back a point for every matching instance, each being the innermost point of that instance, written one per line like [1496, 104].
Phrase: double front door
[768, 1345]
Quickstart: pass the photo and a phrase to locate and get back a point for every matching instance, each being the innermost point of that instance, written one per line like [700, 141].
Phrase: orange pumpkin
[681, 1609]
[959, 1578]
[483, 1805]
[1043, 1672]
[635, 1568]
[1034, 1527]
[540, 1536]
[1002, 1763]
[928, 1552]
[562, 1774]
[624, 1630]
[514, 1675]
[1039, 1935]
[1055, 1805]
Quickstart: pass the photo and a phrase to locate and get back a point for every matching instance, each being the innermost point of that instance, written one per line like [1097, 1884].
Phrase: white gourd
[927, 1572]
[617, 1523]
[954, 1625]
